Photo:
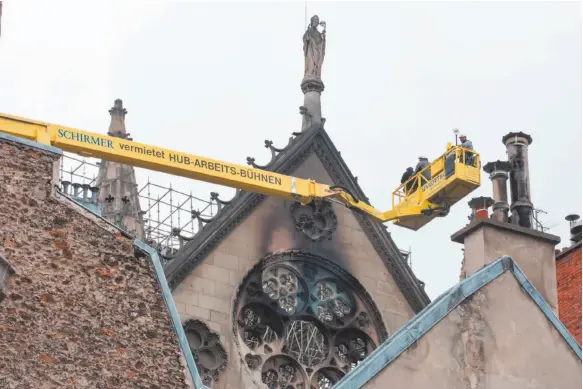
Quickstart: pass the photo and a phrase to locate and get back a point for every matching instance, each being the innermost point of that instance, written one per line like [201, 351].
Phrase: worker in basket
[469, 160]
[413, 184]
[421, 165]
[405, 178]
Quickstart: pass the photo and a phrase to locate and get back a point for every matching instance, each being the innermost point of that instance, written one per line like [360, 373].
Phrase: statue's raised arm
[314, 50]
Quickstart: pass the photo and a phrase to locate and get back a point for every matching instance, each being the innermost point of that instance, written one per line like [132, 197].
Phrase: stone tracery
[209, 354]
[302, 322]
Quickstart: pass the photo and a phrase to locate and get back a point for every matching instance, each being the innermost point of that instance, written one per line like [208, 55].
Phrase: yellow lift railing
[452, 176]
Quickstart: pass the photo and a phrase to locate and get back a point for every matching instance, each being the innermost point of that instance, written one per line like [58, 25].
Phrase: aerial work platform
[443, 183]
[453, 176]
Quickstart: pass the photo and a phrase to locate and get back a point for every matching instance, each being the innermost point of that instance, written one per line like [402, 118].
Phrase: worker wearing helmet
[465, 142]
[469, 157]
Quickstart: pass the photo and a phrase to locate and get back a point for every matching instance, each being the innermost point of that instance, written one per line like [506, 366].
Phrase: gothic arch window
[302, 322]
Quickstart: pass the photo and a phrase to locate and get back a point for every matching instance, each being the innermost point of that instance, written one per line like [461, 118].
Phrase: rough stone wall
[496, 339]
[209, 291]
[569, 290]
[81, 311]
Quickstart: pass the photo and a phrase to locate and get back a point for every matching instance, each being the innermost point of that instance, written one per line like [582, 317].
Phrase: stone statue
[314, 49]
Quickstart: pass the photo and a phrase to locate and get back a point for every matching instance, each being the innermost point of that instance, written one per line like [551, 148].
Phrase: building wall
[533, 251]
[496, 339]
[81, 311]
[569, 289]
[209, 292]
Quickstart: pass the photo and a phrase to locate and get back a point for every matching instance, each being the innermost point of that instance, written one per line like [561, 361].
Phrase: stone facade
[486, 240]
[569, 289]
[209, 292]
[498, 338]
[80, 310]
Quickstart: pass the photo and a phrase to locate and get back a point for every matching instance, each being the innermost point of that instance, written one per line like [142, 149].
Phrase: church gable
[267, 266]
[272, 227]
[298, 158]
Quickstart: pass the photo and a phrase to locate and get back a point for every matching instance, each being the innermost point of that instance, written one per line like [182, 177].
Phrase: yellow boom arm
[200, 168]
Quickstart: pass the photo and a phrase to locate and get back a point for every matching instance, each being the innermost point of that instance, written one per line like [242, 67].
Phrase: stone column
[521, 206]
[486, 240]
[312, 108]
[499, 175]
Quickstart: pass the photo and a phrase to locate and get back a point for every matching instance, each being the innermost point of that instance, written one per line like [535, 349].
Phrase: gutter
[155, 259]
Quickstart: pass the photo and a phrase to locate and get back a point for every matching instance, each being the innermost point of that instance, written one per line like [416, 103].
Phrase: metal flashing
[30, 143]
[177, 323]
[546, 309]
[437, 310]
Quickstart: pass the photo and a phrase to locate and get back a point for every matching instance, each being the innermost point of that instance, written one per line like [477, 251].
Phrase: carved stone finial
[117, 125]
[118, 109]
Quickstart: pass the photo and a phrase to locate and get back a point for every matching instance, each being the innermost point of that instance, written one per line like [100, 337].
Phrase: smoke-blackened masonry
[302, 322]
[316, 220]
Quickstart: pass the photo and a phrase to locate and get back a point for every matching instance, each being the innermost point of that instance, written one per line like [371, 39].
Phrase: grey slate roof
[401, 340]
[285, 161]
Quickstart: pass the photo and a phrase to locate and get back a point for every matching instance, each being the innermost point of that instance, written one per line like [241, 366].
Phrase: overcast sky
[217, 79]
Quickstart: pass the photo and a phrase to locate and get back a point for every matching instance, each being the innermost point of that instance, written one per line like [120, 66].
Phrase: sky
[217, 79]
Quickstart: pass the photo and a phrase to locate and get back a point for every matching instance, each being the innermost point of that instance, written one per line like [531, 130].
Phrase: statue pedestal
[312, 89]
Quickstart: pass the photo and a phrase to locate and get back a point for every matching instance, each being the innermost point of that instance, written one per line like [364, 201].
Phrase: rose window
[306, 343]
[302, 322]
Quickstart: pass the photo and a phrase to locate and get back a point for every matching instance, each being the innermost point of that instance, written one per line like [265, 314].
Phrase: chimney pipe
[76, 187]
[85, 191]
[94, 190]
[521, 206]
[479, 206]
[574, 228]
[65, 187]
[499, 175]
